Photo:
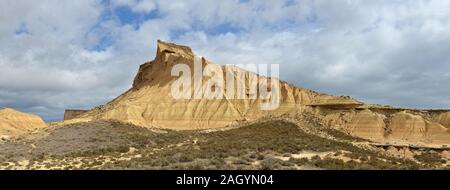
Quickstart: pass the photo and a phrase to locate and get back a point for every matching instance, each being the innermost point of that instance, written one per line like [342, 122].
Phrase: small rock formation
[14, 123]
[73, 113]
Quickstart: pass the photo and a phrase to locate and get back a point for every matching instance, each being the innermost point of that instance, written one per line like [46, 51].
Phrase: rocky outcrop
[443, 118]
[14, 123]
[367, 124]
[407, 127]
[149, 102]
[73, 113]
[400, 127]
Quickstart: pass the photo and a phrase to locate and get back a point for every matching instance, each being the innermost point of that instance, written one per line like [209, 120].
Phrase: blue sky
[78, 54]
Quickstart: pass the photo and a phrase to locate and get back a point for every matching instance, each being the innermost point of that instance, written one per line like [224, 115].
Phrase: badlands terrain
[146, 128]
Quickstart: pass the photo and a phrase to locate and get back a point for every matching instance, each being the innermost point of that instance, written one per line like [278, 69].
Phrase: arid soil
[269, 143]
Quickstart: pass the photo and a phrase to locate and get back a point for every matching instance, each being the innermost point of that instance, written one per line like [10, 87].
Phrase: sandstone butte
[149, 104]
[14, 123]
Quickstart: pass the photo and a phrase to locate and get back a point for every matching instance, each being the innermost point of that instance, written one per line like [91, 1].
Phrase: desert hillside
[299, 142]
[149, 104]
[14, 123]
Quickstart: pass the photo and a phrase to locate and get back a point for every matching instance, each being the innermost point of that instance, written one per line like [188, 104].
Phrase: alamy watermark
[232, 82]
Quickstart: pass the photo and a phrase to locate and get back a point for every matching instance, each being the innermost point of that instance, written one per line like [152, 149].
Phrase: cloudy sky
[57, 54]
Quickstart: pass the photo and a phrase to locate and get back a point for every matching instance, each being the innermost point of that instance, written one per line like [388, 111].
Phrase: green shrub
[270, 163]
[430, 158]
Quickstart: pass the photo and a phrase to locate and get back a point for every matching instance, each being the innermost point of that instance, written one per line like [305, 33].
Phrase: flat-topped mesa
[73, 113]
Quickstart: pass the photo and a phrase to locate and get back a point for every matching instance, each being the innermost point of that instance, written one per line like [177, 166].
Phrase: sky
[58, 54]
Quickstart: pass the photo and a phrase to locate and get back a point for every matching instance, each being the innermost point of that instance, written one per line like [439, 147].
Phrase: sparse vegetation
[431, 158]
[270, 163]
[265, 145]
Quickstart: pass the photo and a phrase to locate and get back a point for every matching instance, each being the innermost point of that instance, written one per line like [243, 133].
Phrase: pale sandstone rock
[14, 123]
[401, 152]
[445, 154]
[367, 124]
[414, 128]
[400, 128]
[407, 127]
[436, 133]
[149, 102]
[73, 113]
[444, 119]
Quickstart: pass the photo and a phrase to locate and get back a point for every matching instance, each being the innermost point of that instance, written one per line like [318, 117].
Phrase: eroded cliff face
[149, 102]
[405, 127]
[14, 123]
[443, 118]
[367, 124]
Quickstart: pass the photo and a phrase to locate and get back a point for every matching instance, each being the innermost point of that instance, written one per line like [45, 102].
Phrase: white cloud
[379, 51]
[142, 6]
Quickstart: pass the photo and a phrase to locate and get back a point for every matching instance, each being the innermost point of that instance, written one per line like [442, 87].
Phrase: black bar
[318, 179]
